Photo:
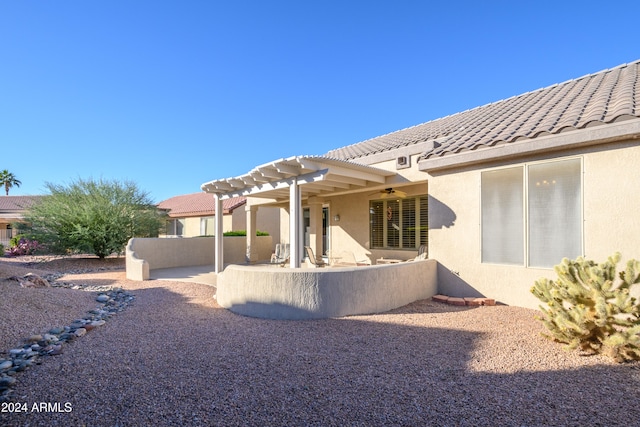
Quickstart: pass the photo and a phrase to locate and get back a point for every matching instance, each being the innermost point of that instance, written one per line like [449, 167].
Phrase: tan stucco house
[499, 194]
[12, 209]
[193, 215]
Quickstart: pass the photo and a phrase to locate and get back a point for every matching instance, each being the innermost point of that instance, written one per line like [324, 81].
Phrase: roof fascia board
[603, 134]
[195, 214]
[7, 215]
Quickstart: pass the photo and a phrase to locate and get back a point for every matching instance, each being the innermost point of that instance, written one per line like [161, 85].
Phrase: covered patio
[287, 183]
[259, 290]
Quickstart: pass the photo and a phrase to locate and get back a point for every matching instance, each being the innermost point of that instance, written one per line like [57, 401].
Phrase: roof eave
[615, 132]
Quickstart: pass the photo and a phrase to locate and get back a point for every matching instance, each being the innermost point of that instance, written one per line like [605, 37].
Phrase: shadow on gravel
[175, 358]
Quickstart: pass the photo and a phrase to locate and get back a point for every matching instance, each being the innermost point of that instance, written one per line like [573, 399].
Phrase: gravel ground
[175, 358]
[27, 311]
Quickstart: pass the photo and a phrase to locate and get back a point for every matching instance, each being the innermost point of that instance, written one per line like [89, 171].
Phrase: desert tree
[89, 216]
[8, 180]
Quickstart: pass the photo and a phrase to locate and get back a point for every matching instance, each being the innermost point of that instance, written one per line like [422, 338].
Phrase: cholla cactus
[588, 309]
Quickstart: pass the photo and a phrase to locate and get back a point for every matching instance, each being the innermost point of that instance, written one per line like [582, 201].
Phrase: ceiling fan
[390, 192]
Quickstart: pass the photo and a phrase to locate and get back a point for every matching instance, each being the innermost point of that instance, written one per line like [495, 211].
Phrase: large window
[207, 226]
[399, 223]
[503, 216]
[532, 212]
[175, 227]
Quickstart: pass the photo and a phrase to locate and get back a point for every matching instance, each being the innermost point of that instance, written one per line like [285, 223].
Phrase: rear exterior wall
[610, 223]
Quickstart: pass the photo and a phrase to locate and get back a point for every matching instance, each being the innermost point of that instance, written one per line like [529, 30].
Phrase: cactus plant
[590, 307]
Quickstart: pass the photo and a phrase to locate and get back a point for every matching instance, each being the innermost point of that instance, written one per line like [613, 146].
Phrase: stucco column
[251, 255]
[315, 225]
[218, 230]
[295, 222]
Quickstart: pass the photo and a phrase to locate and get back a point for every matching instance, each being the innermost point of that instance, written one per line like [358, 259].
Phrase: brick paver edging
[470, 301]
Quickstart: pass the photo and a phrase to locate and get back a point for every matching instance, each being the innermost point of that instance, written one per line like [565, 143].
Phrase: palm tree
[8, 180]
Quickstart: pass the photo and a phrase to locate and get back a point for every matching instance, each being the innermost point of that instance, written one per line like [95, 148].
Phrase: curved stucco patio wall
[145, 254]
[310, 293]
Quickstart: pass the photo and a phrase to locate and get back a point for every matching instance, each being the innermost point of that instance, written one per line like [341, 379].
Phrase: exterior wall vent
[403, 162]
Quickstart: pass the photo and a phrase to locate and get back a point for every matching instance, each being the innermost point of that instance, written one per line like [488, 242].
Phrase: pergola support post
[251, 254]
[295, 224]
[219, 237]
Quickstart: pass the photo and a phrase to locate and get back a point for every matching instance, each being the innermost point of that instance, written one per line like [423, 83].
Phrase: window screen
[555, 212]
[503, 216]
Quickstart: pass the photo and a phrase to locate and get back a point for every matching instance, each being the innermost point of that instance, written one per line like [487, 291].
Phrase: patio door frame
[326, 224]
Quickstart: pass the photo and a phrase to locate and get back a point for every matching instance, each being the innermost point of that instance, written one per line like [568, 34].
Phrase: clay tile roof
[198, 204]
[599, 98]
[16, 203]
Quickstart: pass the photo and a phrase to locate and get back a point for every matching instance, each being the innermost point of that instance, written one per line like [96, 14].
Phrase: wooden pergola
[293, 179]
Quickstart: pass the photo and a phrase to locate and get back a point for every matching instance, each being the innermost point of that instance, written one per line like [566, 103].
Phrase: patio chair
[342, 259]
[422, 253]
[312, 259]
[281, 256]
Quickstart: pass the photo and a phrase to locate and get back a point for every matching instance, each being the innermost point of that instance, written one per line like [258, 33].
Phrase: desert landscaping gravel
[176, 358]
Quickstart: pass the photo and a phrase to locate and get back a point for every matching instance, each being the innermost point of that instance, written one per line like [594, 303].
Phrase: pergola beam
[270, 173]
[293, 179]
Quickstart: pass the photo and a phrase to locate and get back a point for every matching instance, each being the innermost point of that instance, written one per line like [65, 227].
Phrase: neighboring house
[12, 209]
[191, 215]
[506, 190]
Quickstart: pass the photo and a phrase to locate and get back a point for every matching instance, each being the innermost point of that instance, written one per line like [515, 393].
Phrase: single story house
[499, 193]
[12, 209]
[192, 215]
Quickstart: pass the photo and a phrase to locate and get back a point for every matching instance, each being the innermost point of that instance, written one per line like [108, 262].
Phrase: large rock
[102, 298]
[31, 280]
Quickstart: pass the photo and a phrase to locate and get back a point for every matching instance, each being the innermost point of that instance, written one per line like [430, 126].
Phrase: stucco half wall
[145, 254]
[308, 293]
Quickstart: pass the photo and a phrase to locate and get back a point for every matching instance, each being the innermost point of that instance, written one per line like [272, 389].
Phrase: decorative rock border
[468, 301]
[112, 301]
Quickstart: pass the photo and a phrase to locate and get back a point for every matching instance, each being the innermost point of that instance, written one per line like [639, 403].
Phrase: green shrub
[15, 240]
[589, 306]
[92, 216]
[25, 247]
[244, 233]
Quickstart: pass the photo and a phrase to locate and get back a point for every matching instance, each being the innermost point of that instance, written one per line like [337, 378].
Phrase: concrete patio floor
[195, 274]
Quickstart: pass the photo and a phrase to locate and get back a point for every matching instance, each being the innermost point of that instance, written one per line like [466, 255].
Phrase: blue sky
[171, 94]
